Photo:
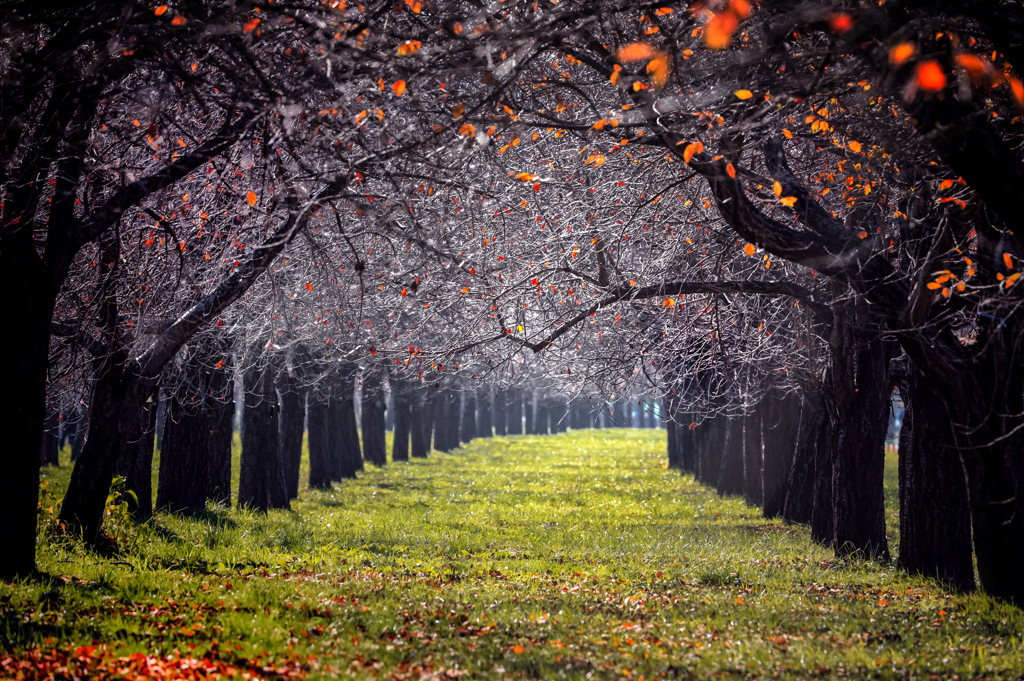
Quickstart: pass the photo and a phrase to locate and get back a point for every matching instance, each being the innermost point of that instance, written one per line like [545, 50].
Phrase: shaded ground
[566, 556]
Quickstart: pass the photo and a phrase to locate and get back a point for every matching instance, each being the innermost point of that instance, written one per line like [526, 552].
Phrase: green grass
[570, 556]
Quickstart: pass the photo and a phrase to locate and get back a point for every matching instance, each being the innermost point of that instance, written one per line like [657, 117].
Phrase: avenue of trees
[751, 221]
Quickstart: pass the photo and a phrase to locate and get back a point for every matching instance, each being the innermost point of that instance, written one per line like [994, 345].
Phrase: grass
[569, 556]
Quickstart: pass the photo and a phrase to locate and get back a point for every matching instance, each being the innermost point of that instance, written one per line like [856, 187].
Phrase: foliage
[568, 556]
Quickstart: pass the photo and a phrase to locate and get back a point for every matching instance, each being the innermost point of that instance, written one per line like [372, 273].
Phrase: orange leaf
[901, 53]
[743, 94]
[663, 11]
[691, 149]
[251, 198]
[718, 32]
[855, 146]
[250, 25]
[525, 177]
[1017, 89]
[309, 287]
[1008, 261]
[467, 130]
[409, 47]
[840, 22]
[399, 87]
[658, 68]
[930, 75]
[788, 201]
[361, 115]
[979, 70]
[615, 73]
[518, 649]
[160, 10]
[458, 111]
[635, 52]
[749, 249]
[669, 302]
[596, 159]
[787, 134]
[730, 169]
[945, 184]
[777, 188]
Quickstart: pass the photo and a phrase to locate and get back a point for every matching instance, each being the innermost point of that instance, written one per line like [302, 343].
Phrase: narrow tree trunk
[372, 418]
[400, 394]
[136, 463]
[261, 481]
[514, 412]
[799, 504]
[485, 415]
[779, 427]
[292, 425]
[531, 405]
[468, 426]
[822, 527]
[454, 422]
[935, 529]
[500, 413]
[420, 423]
[49, 452]
[730, 477]
[753, 454]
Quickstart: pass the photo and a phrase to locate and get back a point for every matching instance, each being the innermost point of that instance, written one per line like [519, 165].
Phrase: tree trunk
[261, 485]
[136, 463]
[514, 412]
[468, 426]
[485, 415]
[292, 426]
[753, 455]
[779, 427]
[730, 477]
[859, 415]
[822, 526]
[403, 409]
[321, 458]
[49, 452]
[935, 524]
[372, 418]
[531, 406]
[500, 413]
[421, 423]
[116, 421]
[346, 453]
[711, 436]
[799, 504]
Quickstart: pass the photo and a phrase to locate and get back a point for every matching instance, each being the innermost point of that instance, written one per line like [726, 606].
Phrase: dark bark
[346, 453]
[403, 409]
[711, 437]
[453, 423]
[468, 426]
[935, 523]
[371, 419]
[136, 463]
[321, 459]
[485, 415]
[799, 504]
[731, 477]
[261, 485]
[500, 413]
[822, 526]
[292, 425]
[421, 423]
[558, 416]
[779, 426]
[49, 452]
[197, 433]
[531, 405]
[858, 411]
[514, 412]
[753, 485]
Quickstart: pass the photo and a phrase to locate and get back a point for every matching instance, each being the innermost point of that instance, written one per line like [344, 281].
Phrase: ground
[570, 556]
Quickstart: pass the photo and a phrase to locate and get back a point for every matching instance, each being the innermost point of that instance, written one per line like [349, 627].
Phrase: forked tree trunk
[935, 523]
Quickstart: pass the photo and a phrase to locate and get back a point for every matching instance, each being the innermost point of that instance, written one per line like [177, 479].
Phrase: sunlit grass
[565, 556]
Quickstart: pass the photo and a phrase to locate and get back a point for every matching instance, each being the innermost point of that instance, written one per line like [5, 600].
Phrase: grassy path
[575, 556]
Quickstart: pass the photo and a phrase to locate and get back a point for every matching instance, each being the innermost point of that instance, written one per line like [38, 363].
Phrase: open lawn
[569, 556]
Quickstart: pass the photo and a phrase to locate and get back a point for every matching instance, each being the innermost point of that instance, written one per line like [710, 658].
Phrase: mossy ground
[569, 556]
